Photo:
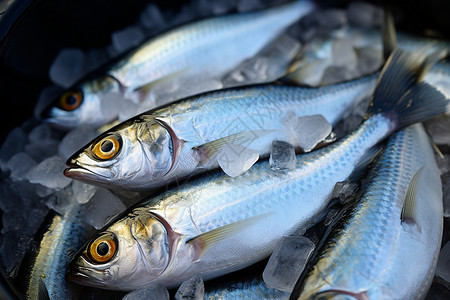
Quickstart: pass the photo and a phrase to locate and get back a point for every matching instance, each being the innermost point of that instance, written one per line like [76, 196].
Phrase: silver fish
[218, 224]
[202, 50]
[243, 288]
[64, 236]
[182, 139]
[387, 247]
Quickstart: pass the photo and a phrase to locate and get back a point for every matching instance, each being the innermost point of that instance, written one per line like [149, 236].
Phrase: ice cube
[12, 251]
[102, 207]
[282, 156]
[287, 262]
[9, 199]
[343, 190]
[68, 67]
[95, 58]
[331, 19]
[443, 265]
[344, 54]
[152, 19]
[127, 38]
[337, 74]
[43, 191]
[19, 165]
[42, 150]
[364, 14]
[13, 144]
[83, 192]
[61, 200]
[311, 130]
[49, 173]
[236, 159]
[249, 5]
[110, 105]
[369, 60]
[74, 140]
[193, 288]
[152, 292]
[439, 129]
[40, 133]
[269, 65]
[222, 7]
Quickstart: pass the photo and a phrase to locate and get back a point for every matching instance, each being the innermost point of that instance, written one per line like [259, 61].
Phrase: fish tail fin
[401, 96]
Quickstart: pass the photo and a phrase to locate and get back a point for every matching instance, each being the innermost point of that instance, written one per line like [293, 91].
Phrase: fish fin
[436, 147]
[210, 149]
[400, 96]
[211, 238]
[388, 32]
[42, 291]
[409, 209]
[144, 90]
[366, 160]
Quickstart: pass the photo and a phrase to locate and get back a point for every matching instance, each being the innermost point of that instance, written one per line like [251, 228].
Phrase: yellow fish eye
[103, 248]
[71, 100]
[107, 147]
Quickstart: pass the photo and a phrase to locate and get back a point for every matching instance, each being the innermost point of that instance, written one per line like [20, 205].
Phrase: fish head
[80, 104]
[127, 255]
[132, 155]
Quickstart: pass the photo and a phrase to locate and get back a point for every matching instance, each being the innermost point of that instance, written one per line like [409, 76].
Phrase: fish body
[247, 288]
[189, 55]
[218, 224]
[63, 237]
[177, 141]
[379, 252]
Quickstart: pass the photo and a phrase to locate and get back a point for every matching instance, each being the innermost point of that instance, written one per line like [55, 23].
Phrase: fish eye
[103, 248]
[70, 100]
[107, 147]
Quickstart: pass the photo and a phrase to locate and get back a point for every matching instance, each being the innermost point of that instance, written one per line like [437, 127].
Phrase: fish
[217, 224]
[46, 273]
[183, 139]
[387, 244]
[252, 287]
[188, 54]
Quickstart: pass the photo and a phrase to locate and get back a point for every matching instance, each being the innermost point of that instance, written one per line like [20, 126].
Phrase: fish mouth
[78, 172]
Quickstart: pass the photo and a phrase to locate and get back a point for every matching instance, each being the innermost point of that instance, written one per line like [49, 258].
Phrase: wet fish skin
[64, 236]
[182, 54]
[159, 146]
[247, 288]
[217, 224]
[375, 254]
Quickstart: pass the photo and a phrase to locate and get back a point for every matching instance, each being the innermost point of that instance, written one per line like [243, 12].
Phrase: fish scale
[363, 255]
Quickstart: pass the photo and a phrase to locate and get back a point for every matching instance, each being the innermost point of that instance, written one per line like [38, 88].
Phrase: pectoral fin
[409, 210]
[144, 90]
[210, 149]
[211, 238]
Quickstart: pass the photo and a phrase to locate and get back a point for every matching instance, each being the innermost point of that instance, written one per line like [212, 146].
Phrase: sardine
[63, 237]
[218, 224]
[199, 51]
[387, 245]
[252, 287]
[182, 139]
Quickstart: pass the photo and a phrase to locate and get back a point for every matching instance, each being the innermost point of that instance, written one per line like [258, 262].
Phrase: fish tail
[401, 96]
